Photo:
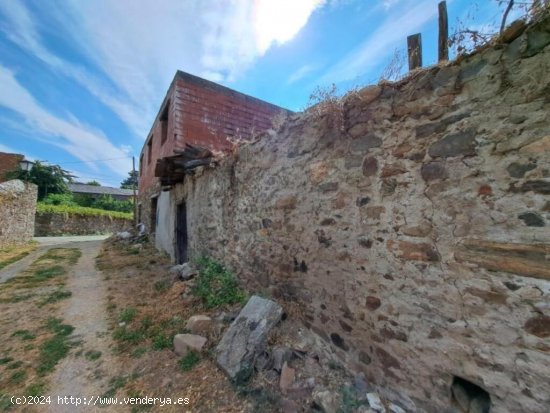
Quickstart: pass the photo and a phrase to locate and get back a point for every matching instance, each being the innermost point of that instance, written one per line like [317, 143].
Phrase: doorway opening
[153, 217]
[181, 233]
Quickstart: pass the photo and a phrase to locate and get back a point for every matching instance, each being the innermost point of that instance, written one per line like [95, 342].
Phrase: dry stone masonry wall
[55, 224]
[17, 208]
[411, 227]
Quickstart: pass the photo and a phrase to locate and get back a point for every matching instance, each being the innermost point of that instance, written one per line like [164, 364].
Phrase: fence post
[414, 47]
[443, 49]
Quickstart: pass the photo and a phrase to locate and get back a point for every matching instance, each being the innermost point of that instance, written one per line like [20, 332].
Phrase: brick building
[194, 112]
[8, 162]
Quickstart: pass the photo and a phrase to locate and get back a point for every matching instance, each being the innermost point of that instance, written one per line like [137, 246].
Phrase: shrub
[78, 210]
[60, 199]
[216, 286]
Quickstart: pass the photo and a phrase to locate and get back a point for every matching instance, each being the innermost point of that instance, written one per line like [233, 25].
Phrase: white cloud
[80, 141]
[21, 28]
[137, 46]
[378, 47]
[300, 73]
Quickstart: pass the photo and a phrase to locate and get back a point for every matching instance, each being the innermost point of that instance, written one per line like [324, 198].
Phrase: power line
[91, 161]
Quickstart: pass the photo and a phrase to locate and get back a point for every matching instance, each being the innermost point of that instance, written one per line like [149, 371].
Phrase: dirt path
[46, 243]
[85, 373]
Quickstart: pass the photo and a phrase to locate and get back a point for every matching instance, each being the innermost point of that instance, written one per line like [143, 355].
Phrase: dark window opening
[164, 122]
[141, 165]
[150, 150]
[153, 217]
[468, 397]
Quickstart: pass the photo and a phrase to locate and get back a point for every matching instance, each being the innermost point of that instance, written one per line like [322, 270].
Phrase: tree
[93, 183]
[131, 181]
[50, 179]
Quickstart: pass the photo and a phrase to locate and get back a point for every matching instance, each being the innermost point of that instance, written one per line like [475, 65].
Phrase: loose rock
[200, 324]
[184, 343]
[246, 337]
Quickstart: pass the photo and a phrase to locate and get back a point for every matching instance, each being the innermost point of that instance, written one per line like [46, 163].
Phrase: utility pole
[134, 188]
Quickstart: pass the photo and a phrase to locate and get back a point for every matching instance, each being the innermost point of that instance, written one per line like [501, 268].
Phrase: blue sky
[81, 80]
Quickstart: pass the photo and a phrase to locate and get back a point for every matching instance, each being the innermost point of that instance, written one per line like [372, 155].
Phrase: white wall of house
[166, 222]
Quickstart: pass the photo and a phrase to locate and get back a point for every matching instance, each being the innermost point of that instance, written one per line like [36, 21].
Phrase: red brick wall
[8, 162]
[201, 113]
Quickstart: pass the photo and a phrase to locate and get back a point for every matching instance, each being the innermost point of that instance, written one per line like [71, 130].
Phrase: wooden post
[414, 46]
[134, 188]
[443, 49]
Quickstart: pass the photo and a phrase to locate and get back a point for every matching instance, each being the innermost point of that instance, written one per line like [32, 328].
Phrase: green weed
[127, 315]
[189, 361]
[162, 341]
[36, 389]
[215, 285]
[24, 335]
[92, 355]
[55, 297]
[18, 377]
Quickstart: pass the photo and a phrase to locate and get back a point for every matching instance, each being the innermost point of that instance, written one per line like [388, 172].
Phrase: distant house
[8, 162]
[94, 191]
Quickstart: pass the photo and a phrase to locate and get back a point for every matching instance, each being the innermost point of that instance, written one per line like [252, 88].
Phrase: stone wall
[17, 208]
[410, 225]
[50, 224]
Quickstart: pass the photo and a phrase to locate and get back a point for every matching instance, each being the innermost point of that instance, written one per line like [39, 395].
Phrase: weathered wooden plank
[414, 47]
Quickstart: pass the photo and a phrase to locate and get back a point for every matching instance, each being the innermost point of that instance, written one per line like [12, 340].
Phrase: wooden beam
[443, 44]
[414, 47]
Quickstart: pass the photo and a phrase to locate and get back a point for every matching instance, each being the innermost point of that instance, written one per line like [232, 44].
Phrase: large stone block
[523, 259]
[246, 337]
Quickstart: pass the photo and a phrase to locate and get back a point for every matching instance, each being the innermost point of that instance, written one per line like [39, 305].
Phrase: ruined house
[202, 114]
[409, 225]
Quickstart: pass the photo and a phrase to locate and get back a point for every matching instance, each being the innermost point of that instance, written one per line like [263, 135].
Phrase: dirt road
[87, 369]
[85, 374]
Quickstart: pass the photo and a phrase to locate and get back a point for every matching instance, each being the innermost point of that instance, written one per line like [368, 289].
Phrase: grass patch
[78, 210]
[16, 298]
[55, 297]
[115, 383]
[138, 352]
[18, 377]
[11, 260]
[162, 341]
[215, 285]
[56, 348]
[162, 285]
[92, 355]
[15, 365]
[13, 254]
[36, 389]
[24, 335]
[5, 360]
[189, 361]
[129, 336]
[71, 255]
[127, 315]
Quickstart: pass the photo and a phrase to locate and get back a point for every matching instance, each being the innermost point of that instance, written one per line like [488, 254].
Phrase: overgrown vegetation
[78, 210]
[215, 285]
